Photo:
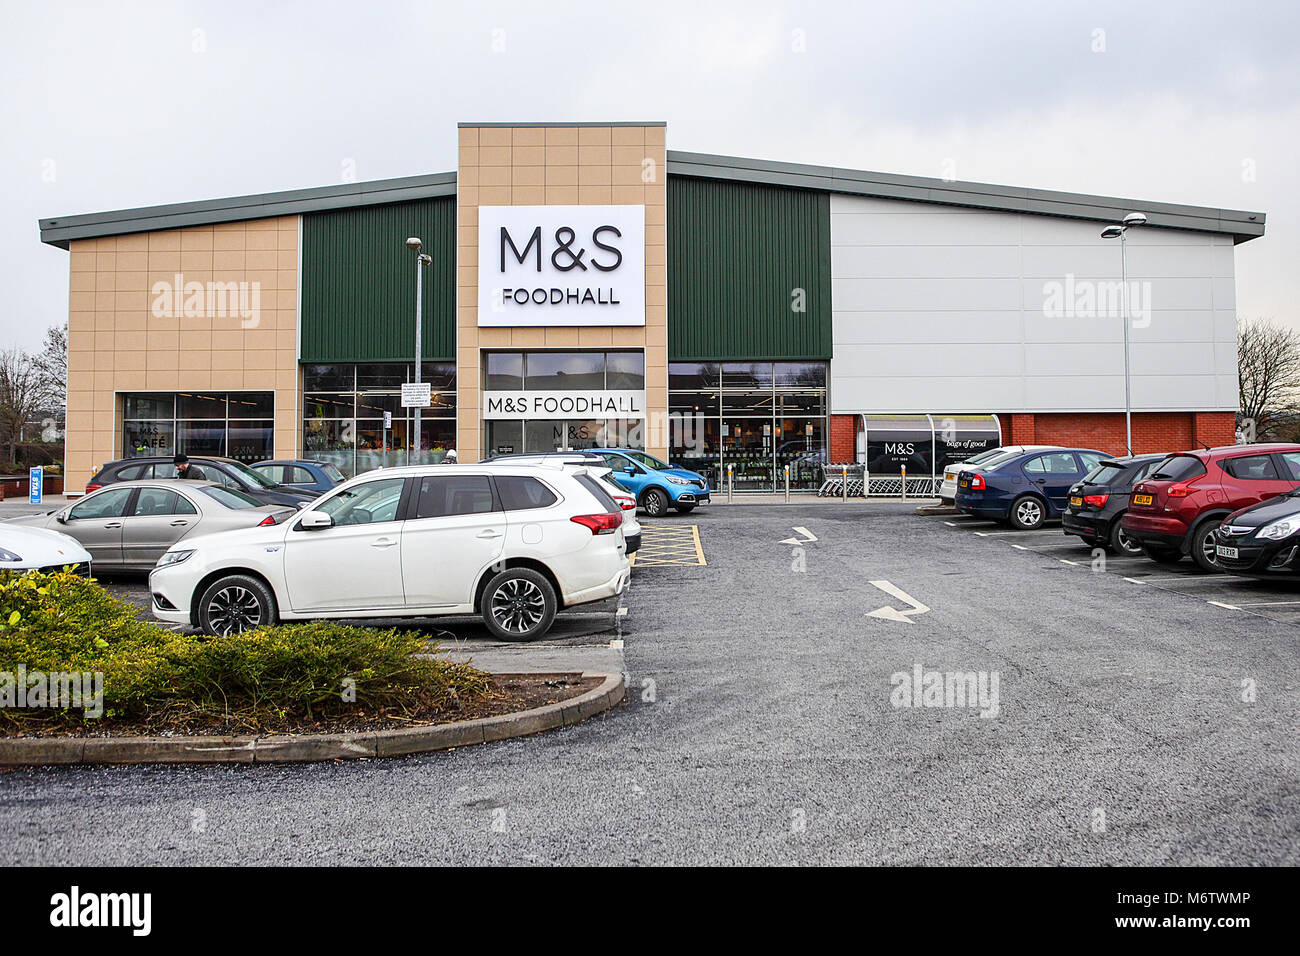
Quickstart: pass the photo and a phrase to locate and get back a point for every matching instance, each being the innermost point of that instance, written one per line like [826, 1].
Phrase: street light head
[1112, 232]
[1135, 219]
[414, 244]
[424, 258]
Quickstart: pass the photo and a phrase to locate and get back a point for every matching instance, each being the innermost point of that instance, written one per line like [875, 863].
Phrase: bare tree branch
[1268, 371]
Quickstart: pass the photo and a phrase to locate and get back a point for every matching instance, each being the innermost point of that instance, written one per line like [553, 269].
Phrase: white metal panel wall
[940, 308]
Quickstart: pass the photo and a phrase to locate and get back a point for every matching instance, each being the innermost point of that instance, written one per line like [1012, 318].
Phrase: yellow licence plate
[1076, 502]
[1142, 499]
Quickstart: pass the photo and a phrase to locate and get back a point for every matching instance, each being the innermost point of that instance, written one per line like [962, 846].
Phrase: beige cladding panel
[129, 330]
[561, 165]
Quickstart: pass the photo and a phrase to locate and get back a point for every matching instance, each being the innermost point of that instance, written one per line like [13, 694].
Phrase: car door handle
[489, 533]
[112, 524]
[1041, 481]
[382, 543]
[180, 523]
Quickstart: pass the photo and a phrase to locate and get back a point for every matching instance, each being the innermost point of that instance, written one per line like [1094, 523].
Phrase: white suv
[511, 542]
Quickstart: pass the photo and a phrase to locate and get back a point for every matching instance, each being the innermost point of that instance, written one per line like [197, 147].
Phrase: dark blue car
[317, 477]
[1025, 490]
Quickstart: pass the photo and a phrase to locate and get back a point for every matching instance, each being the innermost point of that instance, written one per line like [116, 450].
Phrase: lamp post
[421, 259]
[1119, 232]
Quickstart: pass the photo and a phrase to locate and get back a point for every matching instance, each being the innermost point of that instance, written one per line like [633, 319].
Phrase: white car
[994, 456]
[514, 543]
[24, 548]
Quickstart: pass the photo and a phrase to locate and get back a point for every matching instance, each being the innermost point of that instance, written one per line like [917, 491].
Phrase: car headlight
[1280, 529]
[174, 557]
[677, 481]
[8, 555]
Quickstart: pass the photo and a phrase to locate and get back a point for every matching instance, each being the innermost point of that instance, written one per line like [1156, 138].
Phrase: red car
[1175, 510]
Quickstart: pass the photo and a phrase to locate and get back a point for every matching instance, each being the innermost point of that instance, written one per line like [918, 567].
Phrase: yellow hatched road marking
[669, 544]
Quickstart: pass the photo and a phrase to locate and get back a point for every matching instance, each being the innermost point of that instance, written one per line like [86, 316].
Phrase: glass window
[144, 439]
[156, 501]
[748, 403]
[149, 406]
[328, 378]
[272, 473]
[746, 374]
[297, 475]
[332, 473]
[625, 370]
[250, 440]
[1057, 463]
[693, 375]
[201, 438]
[563, 371]
[252, 404]
[519, 493]
[372, 405]
[504, 438]
[132, 472]
[799, 374]
[650, 461]
[231, 497]
[505, 371]
[368, 503]
[329, 406]
[385, 376]
[1291, 461]
[200, 406]
[693, 403]
[213, 473]
[1106, 474]
[1089, 459]
[440, 375]
[443, 496]
[1178, 468]
[110, 503]
[800, 403]
[1252, 468]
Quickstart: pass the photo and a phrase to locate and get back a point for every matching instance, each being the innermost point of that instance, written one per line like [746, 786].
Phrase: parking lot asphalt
[1135, 723]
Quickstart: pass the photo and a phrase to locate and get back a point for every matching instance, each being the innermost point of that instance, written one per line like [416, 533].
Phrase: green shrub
[157, 678]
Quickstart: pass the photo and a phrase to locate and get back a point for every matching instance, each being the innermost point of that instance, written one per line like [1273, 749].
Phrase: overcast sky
[112, 105]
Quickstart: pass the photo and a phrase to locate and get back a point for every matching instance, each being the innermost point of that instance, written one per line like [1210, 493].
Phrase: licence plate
[964, 483]
[1142, 499]
[1225, 552]
[1076, 502]
[949, 476]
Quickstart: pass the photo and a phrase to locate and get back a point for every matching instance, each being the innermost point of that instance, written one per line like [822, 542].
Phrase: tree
[1268, 373]
[23, 394]
[52, 362]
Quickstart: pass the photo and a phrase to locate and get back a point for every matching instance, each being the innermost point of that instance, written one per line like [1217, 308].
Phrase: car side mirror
[61, 517]
[316, 521]
[630, 469]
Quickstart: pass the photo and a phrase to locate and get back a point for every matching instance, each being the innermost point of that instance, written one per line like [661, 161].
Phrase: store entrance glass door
[747, 448]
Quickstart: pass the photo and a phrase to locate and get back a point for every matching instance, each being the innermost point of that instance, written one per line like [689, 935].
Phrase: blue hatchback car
[1025, 489]
[317, 477]
[657, 486]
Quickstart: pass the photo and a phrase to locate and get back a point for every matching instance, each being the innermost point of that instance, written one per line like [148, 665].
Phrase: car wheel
[1203, 545]
[1027, 513]
[234, 604]
[1121, 543]
[1162, 555]
[655, 503]
[684, 509]
[518, 605]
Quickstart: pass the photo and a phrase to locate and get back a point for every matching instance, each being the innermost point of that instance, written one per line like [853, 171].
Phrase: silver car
[128, 525]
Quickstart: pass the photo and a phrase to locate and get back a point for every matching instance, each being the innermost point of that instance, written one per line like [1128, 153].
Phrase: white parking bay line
[1229, 607]
[989, 534]
[1266, 603]
[1190, 579]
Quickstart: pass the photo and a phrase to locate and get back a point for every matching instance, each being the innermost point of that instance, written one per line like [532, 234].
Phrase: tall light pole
[1119, 232]
[421, 259]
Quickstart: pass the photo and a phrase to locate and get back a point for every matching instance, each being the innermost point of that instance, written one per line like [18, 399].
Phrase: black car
[225, 471]
[1262, 540]
[1098, 502]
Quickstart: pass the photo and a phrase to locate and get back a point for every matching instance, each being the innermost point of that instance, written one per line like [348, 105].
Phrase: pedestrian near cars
[183, 467]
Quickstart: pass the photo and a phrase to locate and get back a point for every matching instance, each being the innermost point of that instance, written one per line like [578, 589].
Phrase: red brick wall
[844, 434]
[1152, 431]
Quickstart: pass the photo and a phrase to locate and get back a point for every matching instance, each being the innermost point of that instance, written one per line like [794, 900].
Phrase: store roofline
[1241, 225]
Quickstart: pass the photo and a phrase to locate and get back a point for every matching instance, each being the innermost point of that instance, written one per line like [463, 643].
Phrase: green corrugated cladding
[358, 282]
[736, 254]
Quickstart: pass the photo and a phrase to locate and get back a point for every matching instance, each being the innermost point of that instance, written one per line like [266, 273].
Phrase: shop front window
[237, 425]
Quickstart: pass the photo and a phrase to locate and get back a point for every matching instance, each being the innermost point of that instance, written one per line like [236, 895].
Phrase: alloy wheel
[518, 605]
[1029, 513]
[233, 610]
[1127, 544]
[1207, 547]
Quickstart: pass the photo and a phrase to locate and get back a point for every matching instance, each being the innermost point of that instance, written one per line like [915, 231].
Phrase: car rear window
[230, 497]
[599, 493]
[521, 493]
[1104, 474]
[1178, 468]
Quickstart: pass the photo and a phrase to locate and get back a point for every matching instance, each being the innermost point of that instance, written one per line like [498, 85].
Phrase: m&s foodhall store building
[584, 286]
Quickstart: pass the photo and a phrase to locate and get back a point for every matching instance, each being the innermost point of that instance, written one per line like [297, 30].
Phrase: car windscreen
[1000, 460]
[332, 473]
[984, 457]
[1104, 474]
[650, 461]
[257, 479]
[1177, 468]
[230, 498]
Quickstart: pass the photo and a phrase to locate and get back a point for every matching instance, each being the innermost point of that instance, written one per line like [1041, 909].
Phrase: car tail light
[599, 524]
[1097, 501]
[92, 487]
[977, 482]
[1182, 489]
[627, 504]
[267, 522]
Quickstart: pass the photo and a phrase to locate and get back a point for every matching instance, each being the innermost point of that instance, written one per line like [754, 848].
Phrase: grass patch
[292, 676]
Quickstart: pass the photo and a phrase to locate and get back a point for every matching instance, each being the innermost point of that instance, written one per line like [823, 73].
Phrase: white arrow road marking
[806, 537]
[893, 614]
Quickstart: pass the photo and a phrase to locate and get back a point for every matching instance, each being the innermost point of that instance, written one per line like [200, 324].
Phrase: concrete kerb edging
[288, 748]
